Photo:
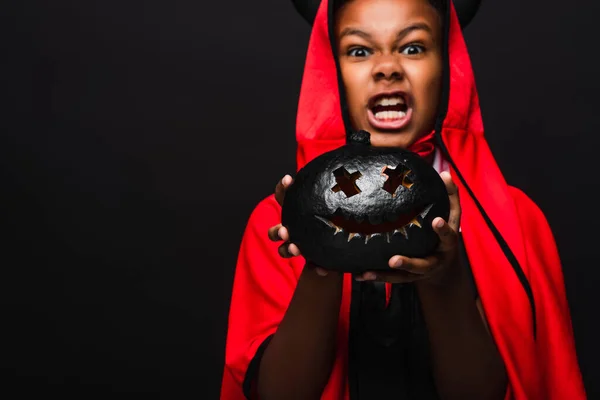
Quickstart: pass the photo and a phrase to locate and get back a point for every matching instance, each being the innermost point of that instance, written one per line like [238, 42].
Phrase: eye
[412, 49]
[346, 182]
[358, 52]
[396, 177]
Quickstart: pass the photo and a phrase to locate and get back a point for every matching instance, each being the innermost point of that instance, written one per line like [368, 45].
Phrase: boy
[420, 331]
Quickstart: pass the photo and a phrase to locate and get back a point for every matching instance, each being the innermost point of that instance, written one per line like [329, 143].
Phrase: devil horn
[307, 9]
[465, 9]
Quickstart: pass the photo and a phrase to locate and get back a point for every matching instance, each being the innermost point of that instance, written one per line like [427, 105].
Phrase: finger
[320, 271]
[293, 249]
[417, 266]
[455, 210]
[280, 188]
[278, 232]
[448, 236]
[284, 250]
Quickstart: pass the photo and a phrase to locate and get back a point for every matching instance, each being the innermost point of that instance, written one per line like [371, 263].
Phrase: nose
[387, 67]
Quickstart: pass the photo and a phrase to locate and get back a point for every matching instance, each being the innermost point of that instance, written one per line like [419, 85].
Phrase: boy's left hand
[435, 268]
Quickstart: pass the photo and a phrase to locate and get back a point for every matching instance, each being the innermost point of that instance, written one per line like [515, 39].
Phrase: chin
[402, 138]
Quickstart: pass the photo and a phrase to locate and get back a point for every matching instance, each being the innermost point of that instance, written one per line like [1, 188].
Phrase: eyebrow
[413, 27]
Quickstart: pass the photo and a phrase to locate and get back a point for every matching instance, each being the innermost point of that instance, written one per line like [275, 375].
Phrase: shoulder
[528, 210]
[537, 233]
[265, 214]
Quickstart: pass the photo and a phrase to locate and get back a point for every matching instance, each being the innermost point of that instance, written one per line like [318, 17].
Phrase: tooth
[325, 221]
[371, 236]
[394, 114]
[414, 221]
[352, 235]
[330, 224]
[401, 114]
[402, 231]
[424, 213]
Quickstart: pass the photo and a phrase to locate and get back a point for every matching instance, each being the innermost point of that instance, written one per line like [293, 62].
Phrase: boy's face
[391, 64]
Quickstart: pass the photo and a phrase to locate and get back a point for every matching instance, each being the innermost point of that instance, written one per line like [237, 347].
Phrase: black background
[137, 136]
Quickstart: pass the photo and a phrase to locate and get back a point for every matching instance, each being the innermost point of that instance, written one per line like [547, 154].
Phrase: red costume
[509, 245]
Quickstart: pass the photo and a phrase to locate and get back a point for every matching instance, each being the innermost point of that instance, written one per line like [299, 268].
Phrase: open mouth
[361, 228]
[389, 111]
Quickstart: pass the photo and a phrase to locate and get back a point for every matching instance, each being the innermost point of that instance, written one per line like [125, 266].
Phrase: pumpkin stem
[359, 137]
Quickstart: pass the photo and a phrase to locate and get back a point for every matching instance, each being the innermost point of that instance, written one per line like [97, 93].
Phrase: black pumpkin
[353, 208]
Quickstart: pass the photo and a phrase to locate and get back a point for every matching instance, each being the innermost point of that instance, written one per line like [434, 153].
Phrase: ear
[465, 9]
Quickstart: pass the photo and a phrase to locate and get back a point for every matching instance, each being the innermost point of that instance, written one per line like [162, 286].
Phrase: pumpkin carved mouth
[358, 228]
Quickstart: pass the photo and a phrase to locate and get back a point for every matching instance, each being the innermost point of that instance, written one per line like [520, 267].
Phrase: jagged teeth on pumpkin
[414, 221]
[371, 236]
[389, 101]
[325, 221]
[424, 213]
[401, 231]
[330, 224]
[352, 235]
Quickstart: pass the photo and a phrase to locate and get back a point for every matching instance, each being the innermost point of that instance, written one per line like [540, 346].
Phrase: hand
[279, 232]
[436, 268]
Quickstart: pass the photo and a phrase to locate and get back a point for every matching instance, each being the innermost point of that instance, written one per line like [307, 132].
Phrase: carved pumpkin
[353, 208]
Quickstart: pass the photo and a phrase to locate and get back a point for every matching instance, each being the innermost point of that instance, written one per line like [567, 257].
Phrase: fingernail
[440, 223]
[398, 263]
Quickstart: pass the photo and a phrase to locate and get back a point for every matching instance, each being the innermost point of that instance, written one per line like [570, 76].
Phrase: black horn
[307, 9]
[465, 9]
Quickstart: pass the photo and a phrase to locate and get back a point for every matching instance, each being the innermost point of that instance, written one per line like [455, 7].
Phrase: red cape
[540, 366]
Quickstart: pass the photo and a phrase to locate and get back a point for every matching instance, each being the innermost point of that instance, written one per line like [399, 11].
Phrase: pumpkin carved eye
[346, 182]
[396, 177]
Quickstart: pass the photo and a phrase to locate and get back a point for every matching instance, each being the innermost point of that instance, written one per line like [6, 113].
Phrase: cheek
[356, 81]
[426, 82]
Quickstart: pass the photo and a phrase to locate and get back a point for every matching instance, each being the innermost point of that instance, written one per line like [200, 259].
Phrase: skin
[379, 54]
[466, 362]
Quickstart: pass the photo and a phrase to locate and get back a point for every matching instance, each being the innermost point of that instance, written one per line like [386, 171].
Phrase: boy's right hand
[279, 232]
